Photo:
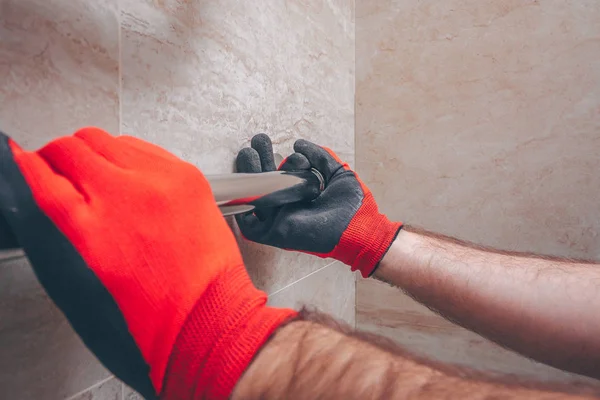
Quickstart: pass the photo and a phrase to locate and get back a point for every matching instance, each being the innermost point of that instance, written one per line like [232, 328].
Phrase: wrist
[225, 329]
[406, 251]
[367, 239]
[274, 367]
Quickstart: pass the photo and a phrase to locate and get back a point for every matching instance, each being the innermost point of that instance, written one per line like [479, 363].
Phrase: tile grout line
[354, 136]
[120, 65]
[301, 279]
[95, 385]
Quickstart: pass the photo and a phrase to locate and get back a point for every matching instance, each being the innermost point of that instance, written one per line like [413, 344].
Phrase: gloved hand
[343, 222]
[128, 241]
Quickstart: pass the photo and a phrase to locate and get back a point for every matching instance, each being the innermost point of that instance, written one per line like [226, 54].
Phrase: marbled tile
[201, 78]
[58, 69]
[481, 119]
[58, 72]
[41, 357]
[329, 290]
[478, 119]
[109, 390]
[385, 310]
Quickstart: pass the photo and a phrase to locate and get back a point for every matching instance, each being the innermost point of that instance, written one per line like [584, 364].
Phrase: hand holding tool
[343, 223]
[129, 243]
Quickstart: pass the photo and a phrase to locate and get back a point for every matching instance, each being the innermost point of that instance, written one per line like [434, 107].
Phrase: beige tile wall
[282, 67]
[198, 77]
[59, 70]
[478, 119]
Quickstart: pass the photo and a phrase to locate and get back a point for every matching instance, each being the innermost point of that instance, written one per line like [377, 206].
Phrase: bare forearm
[306, 359]
[541, 307]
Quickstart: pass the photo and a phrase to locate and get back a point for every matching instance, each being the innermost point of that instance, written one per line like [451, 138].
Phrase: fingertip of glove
[295, 162]
[248, 160]
[301, 144]
[262, 144]
[261, 141]
[309, 149]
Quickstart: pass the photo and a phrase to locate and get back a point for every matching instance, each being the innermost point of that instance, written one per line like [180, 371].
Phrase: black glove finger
[251, 225]
[295, 162]
[248, 161]
[319, 158]
[262, 144]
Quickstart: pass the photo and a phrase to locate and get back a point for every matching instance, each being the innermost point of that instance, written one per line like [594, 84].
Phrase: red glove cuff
[367, 238]
[225, 329]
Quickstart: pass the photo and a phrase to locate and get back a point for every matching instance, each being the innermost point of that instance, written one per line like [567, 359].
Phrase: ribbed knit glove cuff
[226, 328]
[367, 238]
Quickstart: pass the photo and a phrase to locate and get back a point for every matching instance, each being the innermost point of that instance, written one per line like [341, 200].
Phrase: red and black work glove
[128, 241]
[343, 223]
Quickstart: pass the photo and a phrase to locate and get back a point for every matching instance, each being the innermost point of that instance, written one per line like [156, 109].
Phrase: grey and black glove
[343, 223]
